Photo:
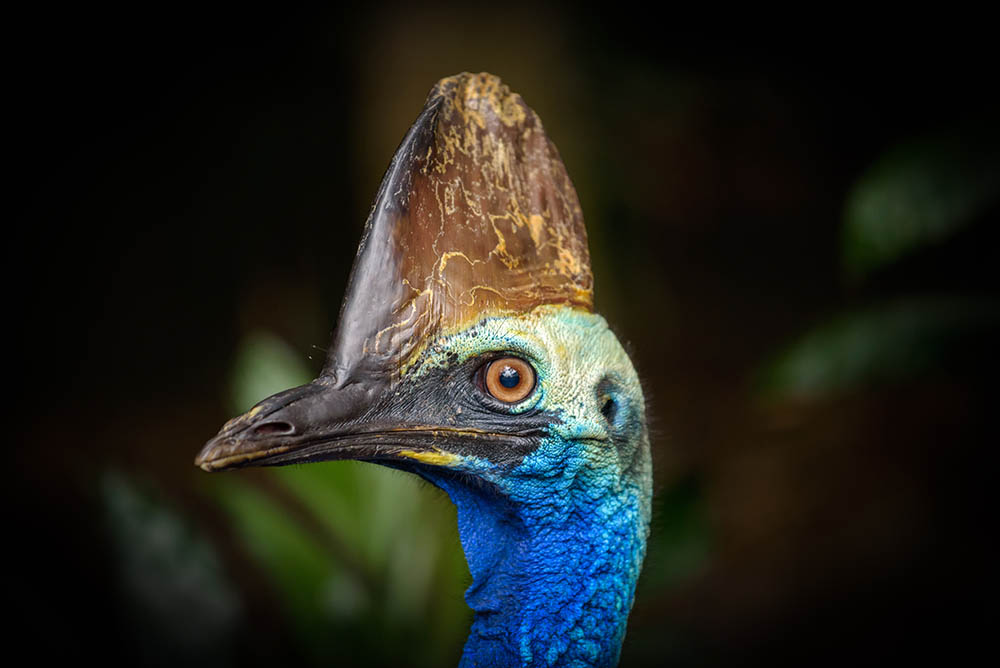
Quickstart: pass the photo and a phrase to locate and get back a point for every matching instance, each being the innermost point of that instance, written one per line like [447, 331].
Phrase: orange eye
[510, 379]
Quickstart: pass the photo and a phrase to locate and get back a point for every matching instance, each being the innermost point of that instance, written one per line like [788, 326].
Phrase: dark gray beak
[320, 422]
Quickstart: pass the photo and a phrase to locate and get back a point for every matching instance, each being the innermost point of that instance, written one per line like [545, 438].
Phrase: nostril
[273, 429]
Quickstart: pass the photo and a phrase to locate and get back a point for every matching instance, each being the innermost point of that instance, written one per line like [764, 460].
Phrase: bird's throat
[554, 566]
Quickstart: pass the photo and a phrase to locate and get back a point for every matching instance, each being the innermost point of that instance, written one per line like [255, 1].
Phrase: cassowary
[467, 352]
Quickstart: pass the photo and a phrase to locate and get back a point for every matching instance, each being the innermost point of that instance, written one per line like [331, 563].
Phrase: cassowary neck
[554, 563]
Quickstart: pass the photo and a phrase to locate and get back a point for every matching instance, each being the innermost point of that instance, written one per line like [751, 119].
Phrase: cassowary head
[468, 352]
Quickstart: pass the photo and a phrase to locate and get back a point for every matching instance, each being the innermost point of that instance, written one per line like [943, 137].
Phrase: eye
[509, 379]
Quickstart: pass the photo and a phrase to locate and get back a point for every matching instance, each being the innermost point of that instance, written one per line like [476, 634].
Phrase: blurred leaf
[265, 365]
[385, 520]
[302, 570]
[884, 343]
[918, 194]
[180, 605]
[679, 541]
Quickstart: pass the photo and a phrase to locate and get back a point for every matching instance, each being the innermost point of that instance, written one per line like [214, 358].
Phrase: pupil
[509, 377]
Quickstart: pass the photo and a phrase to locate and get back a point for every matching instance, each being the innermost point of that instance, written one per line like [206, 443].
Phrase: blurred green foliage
[880, 344]
[264, 365]
[364, 559]
[917, 194]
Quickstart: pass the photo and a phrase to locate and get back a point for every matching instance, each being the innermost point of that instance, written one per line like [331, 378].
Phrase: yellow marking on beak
[435, 458]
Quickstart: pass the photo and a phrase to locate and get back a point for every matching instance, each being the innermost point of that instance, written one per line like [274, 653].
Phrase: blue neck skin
[554, 562]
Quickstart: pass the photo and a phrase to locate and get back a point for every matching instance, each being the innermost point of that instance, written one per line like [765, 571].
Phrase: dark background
[182, 179]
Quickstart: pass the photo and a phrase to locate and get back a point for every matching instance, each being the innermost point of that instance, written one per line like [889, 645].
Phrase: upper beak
[317, 422]
[271, 428]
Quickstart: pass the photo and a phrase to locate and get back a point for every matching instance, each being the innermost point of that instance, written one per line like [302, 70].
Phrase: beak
[319, 422]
